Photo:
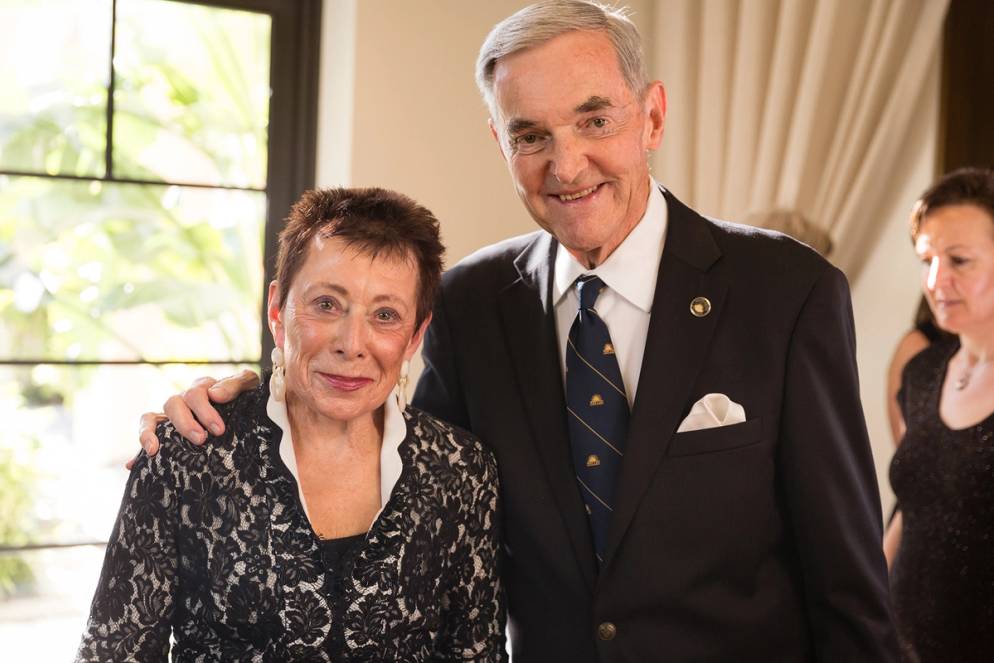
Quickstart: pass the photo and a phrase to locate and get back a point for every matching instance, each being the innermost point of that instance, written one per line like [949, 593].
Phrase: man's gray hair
[543, 21]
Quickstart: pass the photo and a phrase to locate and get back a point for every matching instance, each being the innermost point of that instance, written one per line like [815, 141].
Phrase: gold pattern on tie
[593, 460]
[596, 400]
[608, 349]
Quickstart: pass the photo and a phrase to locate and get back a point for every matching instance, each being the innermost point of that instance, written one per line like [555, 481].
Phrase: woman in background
[920, 336]
[941, 543]
[328, 522]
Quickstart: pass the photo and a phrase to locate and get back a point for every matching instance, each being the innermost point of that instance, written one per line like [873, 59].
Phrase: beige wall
[399, 108]
[418, 124]
[886, 295]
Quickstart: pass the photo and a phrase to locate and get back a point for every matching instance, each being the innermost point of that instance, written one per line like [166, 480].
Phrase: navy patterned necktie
[597, 410]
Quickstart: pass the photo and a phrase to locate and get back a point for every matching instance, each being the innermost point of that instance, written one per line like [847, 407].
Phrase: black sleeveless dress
[942, 582]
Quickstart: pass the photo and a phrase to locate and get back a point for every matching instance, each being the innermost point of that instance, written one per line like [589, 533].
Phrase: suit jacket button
[607, 631]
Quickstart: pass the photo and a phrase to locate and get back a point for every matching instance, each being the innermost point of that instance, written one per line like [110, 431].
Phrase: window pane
[56, 57]
[68, 431]
[46, 624]
[191, 93]
[100, 271]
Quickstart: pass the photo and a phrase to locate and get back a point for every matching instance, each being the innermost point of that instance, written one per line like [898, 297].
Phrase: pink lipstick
[344, 382]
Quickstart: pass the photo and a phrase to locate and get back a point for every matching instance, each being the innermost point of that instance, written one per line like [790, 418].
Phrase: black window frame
[292, 150]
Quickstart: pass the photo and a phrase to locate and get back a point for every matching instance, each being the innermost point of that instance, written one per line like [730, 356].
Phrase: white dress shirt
[394, 433]
[630, 276]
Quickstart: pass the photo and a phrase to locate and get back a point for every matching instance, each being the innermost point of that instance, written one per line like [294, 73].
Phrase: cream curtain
[796, 104]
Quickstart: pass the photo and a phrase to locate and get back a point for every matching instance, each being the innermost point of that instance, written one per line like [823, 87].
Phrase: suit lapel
[527, 314]
[675, 348]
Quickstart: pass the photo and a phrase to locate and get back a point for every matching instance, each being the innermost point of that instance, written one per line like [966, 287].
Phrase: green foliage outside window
[16, 480]
[97, 270]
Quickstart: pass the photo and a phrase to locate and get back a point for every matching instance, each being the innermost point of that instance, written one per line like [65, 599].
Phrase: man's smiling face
[576, 140]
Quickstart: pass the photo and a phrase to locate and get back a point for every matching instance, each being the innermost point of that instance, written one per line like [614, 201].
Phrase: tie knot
[587, 289]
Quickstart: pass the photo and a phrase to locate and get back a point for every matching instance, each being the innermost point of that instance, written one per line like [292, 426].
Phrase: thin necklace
[963, 381]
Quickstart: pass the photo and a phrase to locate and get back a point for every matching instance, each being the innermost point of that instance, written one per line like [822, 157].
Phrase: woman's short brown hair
[965, 186]
[373, 220]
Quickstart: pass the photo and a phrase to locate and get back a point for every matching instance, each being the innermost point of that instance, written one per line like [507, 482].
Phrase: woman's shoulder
[246, 409]
[933, 356]
[913, 342]
[245, 423]
[442, 439]
[922, 369]
[451, 435]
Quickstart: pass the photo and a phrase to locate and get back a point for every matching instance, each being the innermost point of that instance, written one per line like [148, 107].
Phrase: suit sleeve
[439, 391]
[131, 614]
[830, 483]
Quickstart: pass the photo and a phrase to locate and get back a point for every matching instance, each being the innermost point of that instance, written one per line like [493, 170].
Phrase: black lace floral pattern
[212, 546]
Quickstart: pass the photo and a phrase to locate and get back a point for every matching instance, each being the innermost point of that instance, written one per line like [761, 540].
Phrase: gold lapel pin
[700, 306]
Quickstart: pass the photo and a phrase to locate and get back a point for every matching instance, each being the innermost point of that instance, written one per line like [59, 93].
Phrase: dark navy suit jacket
[758, 541]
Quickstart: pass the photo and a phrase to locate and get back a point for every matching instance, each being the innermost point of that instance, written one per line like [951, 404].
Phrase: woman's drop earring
[402, 384]
[277, 383]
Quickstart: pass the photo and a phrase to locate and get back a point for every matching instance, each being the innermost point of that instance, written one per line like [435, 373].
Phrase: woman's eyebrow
[389, 298]
[328, 285]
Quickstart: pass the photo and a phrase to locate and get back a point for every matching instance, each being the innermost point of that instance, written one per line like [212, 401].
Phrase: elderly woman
[328, 522]
[941, 544]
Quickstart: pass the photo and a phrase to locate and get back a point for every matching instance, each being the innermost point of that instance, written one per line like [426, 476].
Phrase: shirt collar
[394, 433]
[626, 271]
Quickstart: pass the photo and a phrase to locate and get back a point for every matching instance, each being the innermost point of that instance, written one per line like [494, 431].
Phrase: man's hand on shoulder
[192, 413]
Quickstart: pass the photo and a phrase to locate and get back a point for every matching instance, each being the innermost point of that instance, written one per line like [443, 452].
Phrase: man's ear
[275, 315]
[655, 110]
[419, 334]
[493, 132]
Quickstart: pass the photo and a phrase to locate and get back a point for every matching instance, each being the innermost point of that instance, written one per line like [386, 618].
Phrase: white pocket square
[711, 411]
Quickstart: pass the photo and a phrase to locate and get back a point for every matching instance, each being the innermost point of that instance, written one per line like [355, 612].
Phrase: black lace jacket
[212, 545]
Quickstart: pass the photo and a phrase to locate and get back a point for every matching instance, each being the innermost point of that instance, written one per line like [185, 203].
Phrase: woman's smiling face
[346, 328]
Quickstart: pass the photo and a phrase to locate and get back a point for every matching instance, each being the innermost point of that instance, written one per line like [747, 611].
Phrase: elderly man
[673, 401]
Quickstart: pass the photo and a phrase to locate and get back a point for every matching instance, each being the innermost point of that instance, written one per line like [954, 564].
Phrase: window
[139, 204]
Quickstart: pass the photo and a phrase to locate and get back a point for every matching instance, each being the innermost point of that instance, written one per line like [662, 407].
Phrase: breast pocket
[719, 438]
